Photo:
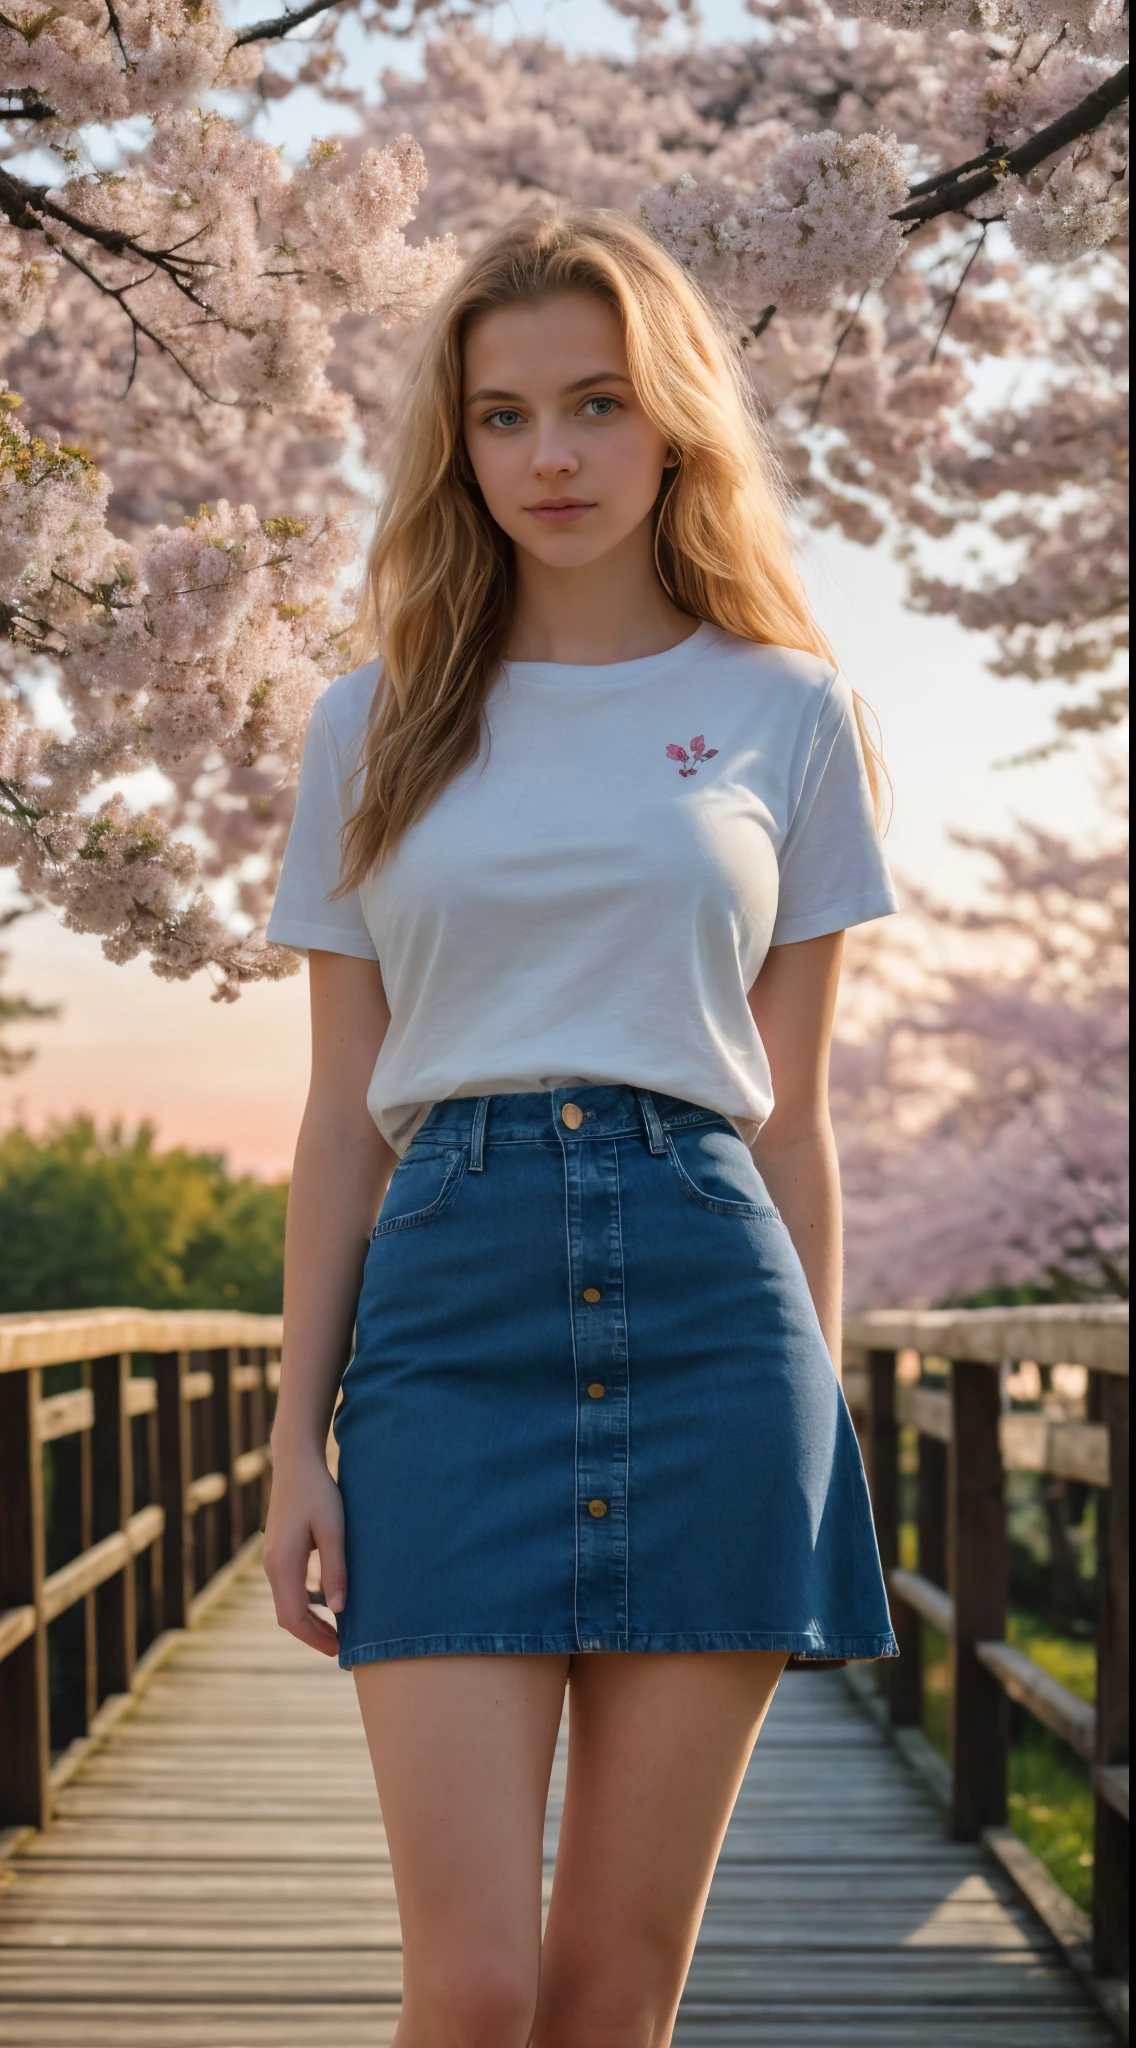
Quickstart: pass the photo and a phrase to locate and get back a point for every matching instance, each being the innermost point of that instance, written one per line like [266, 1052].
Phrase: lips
[559, 511]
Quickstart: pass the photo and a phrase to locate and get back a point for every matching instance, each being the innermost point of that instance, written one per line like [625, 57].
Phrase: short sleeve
[832, 868]
[304, 914]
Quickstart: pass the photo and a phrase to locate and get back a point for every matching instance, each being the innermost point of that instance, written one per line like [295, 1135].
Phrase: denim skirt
[590, 1406]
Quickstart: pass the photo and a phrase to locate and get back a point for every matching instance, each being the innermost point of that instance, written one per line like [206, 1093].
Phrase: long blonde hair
[436, 599]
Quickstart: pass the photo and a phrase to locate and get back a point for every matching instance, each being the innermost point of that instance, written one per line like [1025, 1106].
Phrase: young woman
[571, 862]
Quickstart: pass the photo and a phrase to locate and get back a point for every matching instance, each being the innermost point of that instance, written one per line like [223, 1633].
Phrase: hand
[305, 1514]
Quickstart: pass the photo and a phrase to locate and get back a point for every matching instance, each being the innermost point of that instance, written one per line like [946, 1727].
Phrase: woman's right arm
[341, 1170]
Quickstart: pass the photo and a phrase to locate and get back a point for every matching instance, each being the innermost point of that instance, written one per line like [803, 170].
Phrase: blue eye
[609, 405]
[505, 416]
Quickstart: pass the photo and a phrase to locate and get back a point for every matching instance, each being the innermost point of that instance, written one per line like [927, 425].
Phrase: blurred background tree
[94, 1218]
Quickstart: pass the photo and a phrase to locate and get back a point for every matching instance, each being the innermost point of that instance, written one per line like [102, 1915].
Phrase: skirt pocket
[421, 1186]
[714, 1167]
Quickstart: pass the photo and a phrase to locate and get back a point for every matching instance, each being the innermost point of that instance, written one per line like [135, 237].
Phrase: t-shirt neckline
[605, 674]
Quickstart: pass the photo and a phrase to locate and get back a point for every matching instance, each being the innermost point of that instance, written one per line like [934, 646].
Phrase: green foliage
[1067, 1658]
[1051, 1808]
[96, 1219]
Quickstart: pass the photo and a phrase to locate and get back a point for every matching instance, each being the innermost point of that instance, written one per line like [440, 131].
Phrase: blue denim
[590, 1406]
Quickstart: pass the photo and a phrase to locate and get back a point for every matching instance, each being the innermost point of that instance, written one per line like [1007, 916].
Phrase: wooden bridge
[205, 1866]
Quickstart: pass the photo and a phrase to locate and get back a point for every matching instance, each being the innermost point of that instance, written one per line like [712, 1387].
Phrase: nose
[552, 454]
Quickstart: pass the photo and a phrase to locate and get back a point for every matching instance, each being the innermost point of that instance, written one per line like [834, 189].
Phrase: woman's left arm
[793, 1002]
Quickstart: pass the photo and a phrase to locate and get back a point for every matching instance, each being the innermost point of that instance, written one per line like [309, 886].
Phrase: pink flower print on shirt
[699, 752]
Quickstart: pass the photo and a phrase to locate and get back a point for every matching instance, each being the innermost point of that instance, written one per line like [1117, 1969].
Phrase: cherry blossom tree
[907, 211]
[981, 1083]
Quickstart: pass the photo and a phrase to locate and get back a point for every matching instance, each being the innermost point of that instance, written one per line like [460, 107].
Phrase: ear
[672, 459]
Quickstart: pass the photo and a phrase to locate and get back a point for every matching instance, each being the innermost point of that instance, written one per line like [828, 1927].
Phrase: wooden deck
[217, 1878]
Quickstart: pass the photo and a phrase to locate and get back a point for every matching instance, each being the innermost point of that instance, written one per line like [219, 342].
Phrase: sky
[231, 1077]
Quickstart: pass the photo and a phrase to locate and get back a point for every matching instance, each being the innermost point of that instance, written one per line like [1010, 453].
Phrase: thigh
[462, 1751]
[657, 1748]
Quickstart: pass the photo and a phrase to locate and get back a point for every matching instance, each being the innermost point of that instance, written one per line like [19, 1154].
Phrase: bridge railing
[968, 1436]
[165, 1425]
[168, 1417]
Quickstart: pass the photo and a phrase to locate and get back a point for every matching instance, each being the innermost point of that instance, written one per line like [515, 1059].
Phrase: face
[567, 460]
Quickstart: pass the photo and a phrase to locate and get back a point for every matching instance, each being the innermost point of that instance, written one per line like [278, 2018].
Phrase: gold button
[572, 1115]
[596, 1391]
[591, 1294]
[597, 1508]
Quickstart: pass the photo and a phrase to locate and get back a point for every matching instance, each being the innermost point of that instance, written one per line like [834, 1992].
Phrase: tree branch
[279, 25]
[952, 191]
[840, 341]
[953, 300]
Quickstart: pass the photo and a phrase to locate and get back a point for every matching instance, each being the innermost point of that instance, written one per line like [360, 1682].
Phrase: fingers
[333, 1568]
[318, 1634]
[287, 1576]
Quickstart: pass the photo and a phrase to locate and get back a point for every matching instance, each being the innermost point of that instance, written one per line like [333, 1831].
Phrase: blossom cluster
[1098, 25]
[234, 267]
[200, 654]
[819, 226]
[87, 62]
[983, 1120]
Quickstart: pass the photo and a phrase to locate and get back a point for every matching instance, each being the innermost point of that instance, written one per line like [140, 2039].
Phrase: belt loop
[655, 1138]
[477, 1135]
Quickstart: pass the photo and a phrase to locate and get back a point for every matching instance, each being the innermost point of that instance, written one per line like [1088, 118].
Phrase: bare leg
[657, 1748]
[462, 1751]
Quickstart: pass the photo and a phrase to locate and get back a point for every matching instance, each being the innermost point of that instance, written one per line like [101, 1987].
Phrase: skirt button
[572, 1115]
[597, 1508]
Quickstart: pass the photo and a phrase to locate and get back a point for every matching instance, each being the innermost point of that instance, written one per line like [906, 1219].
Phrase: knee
[623, 2010]
[478, 2002]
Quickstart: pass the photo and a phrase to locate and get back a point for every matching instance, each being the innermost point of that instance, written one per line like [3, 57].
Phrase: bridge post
[112, 1504]
[226, 1445]
[25, 1752]
[1110, 1862]
[902, 1679]
[978, 1566]
[174, 1468]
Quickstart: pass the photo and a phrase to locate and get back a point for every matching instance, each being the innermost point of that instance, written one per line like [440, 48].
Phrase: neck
[615, 609]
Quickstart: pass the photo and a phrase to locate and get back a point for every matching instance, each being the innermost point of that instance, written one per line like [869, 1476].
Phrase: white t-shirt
[590, 900]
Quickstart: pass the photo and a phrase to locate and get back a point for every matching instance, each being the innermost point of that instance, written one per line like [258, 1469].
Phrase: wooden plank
[79, 1577]
[145, 1528]
[927, 1410]
[64, 1414]
[247, 1379]
[58, 1336]
[978, 1573]
[1029, 1442]
[17, 1624]
[1096, 1336]
[927, 1599]
[197, 1386]
[201, 1493]
[1045, 1697]
[1111, 1784]
[141, 1396]
[1069, 1450]
[250, 1464]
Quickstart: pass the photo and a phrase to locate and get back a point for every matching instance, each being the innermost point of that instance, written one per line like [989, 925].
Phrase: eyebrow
[581, 384]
